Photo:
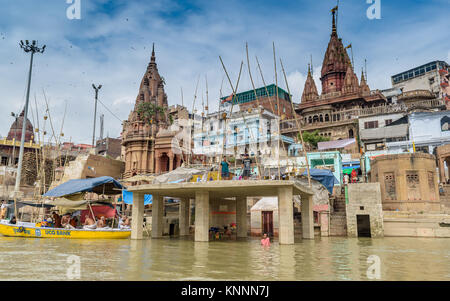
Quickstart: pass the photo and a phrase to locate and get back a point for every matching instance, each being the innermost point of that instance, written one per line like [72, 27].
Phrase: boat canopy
[101, 185]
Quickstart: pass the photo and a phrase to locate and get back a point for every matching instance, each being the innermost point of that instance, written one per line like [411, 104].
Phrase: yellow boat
[23, 229]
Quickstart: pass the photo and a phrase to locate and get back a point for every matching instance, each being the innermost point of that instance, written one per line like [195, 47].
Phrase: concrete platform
[206, 192]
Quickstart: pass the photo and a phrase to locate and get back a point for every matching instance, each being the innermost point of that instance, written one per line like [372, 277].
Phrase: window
[387, 122]
[371, 124]
[389, 186]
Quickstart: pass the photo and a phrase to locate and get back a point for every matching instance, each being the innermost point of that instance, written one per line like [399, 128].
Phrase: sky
[111, 45]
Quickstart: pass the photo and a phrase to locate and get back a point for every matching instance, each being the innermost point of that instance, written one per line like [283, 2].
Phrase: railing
[345, 115]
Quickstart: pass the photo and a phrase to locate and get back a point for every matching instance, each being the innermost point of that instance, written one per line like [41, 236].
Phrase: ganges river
[325, 258]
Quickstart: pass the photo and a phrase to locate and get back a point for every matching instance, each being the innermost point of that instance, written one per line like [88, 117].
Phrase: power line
[121, 120]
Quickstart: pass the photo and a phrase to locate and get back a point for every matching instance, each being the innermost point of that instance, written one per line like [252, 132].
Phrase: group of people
[246, 168]
[353, 178]
[69, 221]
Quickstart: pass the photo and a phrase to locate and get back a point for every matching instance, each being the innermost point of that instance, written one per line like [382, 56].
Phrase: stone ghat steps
[338, 224]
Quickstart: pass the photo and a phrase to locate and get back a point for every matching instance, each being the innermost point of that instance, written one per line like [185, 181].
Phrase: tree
[312, 138]
[149, 111]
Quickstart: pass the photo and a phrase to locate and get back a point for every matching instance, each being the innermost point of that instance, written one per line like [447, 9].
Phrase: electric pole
[95, 111]
[33, 48]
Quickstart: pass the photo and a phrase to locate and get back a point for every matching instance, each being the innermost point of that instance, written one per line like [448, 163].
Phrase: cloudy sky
[111, 45]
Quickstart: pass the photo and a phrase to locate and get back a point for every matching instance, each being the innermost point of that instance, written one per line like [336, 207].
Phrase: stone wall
[408, 182]
[364, 199]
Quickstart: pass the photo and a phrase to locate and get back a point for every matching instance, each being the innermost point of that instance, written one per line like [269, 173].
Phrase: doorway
[363, 225]
[267, 222]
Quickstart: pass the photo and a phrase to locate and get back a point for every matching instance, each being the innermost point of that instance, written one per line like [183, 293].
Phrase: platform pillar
[285, 216]
[307, 217]
[184, 216]
[202, 216]
[157, 216]
[137, 216]
[241, 216]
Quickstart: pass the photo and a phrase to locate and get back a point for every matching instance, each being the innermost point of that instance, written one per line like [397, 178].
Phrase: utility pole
[33, 48]
[95, 111]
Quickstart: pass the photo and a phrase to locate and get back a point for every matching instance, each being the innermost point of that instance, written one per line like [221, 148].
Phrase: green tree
[312, 138]
[149, 111]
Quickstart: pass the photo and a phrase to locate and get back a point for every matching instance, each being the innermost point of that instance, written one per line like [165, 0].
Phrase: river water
[325, 258]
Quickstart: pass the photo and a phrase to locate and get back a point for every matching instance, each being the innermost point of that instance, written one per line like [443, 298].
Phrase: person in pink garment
[265, 241]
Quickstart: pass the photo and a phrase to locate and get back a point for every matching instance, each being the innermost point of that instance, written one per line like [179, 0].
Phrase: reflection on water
[182, 259]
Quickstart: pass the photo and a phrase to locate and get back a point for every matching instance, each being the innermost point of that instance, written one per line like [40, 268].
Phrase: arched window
[321, 118]
[327, 117]
[310, 119]
[350, 133]
[315, 118]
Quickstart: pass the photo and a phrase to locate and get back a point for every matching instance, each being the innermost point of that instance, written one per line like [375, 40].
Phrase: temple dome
[15, 132]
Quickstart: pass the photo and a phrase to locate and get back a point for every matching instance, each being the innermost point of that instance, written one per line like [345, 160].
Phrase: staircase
[338, 218]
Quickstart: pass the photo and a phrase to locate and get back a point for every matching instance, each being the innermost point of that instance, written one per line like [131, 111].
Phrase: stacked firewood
[30, 173]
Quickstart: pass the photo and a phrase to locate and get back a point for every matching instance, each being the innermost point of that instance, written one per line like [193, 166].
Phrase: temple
[148, 134]
[341, 92]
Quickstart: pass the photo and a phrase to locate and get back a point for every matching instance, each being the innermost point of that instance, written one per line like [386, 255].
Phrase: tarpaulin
[128, 197]
[99, 211]
[100, 185]
[324, 176]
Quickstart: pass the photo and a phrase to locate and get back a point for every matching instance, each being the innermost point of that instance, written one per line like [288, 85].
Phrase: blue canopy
[128, 197]
[324, 176]
[100, 185]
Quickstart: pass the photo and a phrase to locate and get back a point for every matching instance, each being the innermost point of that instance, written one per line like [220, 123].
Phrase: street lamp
[95, 111]
[33, 48]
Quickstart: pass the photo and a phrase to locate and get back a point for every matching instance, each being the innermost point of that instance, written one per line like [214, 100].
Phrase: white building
[425, 77]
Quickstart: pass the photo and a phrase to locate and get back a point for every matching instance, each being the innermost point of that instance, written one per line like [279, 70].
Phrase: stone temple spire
[310, 89]
[363, 85]
[335, 62]
[334, 29]
[153, 59]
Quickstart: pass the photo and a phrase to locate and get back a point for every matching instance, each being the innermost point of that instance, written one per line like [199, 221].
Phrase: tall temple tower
[334, 112]
[139, 133]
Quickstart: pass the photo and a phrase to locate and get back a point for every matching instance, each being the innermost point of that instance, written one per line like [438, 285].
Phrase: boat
[72, 188]
[29, 230]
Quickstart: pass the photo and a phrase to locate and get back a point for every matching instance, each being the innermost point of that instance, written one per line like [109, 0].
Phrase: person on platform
[246, 165]
[354, 176]
[265, 241]
[89, 223]
[225, 172]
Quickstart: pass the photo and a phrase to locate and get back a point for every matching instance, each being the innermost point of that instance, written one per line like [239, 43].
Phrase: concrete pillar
[307, 217]
[285, 216]
[137, 216]
[157, 216]
[241, 216]
[184, 216]
[202, 215]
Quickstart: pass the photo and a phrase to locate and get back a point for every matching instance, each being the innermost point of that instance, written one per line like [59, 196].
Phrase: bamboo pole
[278, 111]
[243, 117]
[232, 103]
[298, 125]
[192, 126]
[267, 92]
